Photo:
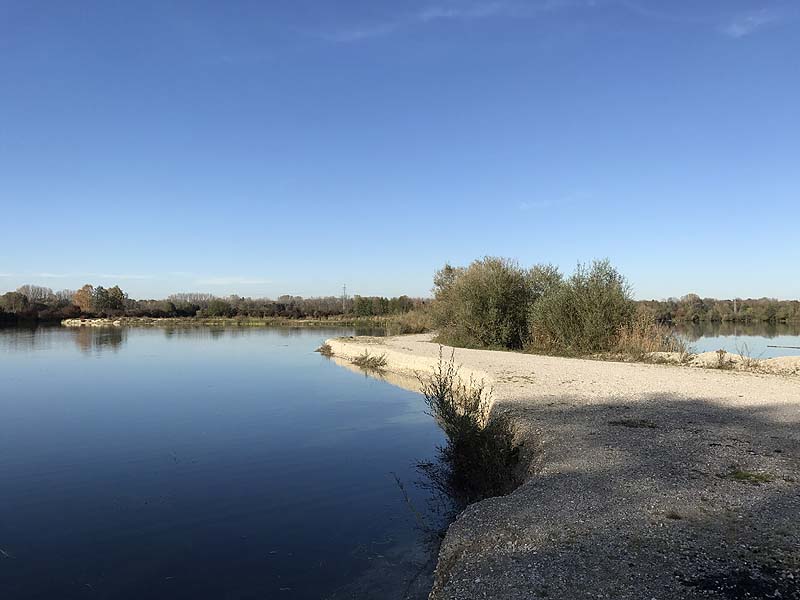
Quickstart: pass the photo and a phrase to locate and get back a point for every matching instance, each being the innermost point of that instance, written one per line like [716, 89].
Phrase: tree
[36, 293]
[584, 313]
[84, 298]
[14, 302]
[218, 308]
[485, 304]
[100, 299]
[116, 298]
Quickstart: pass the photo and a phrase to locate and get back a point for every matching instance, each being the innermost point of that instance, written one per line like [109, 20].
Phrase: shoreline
[649, 480]
[220, 321]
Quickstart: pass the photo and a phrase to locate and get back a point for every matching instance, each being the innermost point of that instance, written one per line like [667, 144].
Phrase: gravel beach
[645, 481]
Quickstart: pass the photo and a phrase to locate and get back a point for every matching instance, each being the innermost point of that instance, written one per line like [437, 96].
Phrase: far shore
[646, 480]
[336, 321]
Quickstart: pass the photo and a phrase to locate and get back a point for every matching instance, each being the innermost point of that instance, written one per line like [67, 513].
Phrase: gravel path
[646, 481]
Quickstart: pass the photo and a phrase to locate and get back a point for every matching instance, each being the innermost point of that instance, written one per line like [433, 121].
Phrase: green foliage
[42, 303]
[481, 458]
[218, 308]
[376, 306]
[116, 298]
[692, 307]
[583, 314]
[100, 299]
[751, 477]
[494, 303]
[483, 305]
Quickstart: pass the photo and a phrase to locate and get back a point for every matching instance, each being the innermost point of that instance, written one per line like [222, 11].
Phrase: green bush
[484, 304]
[481, 458]
[494, 303]
[584, 313]
[218, 308]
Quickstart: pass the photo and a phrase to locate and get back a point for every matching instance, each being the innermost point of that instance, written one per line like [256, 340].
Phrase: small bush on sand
[370, 362]
[723, 360]
[481, 458]
[325, 350]
[746, 359]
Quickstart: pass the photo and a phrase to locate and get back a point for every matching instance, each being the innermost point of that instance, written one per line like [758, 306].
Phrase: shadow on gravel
[654, 499]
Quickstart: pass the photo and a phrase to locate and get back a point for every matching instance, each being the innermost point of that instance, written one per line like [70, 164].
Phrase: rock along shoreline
[648, 480]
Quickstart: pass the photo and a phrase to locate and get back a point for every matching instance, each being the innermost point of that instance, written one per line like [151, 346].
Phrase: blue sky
[289, 147]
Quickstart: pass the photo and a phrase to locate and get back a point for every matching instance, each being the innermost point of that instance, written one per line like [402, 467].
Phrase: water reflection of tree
[694, 331]
[214, 333]
[96, 339]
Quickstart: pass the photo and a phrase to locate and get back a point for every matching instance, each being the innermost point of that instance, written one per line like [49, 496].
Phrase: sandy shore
[648, 481]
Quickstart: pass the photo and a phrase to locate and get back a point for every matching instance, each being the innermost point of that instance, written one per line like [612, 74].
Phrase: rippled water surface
[201, 463]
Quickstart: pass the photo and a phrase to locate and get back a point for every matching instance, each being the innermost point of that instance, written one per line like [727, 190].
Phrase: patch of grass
[723, 360]
[643, 336]
[750, 477]
[370, 362]
[325, 350]
[481, 458]
[746, 359]
[634, 423]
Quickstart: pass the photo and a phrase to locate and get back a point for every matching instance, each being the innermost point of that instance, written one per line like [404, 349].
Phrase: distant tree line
[693, 308]
[31, 302]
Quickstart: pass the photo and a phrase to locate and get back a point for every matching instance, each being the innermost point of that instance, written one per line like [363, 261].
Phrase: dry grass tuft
[370, 362]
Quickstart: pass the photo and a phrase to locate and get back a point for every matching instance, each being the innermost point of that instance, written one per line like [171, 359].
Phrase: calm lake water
[753, 339]
[202, 463]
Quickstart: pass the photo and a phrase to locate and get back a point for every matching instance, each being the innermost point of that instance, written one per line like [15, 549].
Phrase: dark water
[752, 339]
[200, 463]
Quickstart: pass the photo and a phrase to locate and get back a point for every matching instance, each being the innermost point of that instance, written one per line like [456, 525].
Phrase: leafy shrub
[484, 304]
[583, 314]
[481, 458]
[218, 308]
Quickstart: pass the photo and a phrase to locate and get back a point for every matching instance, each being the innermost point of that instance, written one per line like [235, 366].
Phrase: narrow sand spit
[648, 481]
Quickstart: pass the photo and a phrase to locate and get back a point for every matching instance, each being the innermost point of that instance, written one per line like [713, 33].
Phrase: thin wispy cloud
[357, 34]
[746, 24]
[737, 26]
[528, 205]
[480, 10]
[536, 205]
[452, 11]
